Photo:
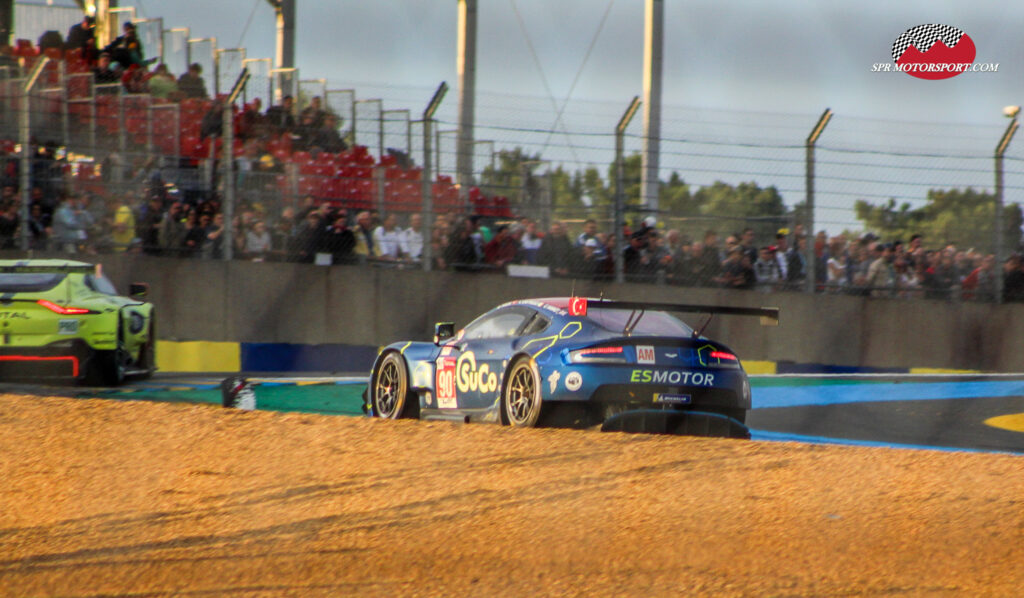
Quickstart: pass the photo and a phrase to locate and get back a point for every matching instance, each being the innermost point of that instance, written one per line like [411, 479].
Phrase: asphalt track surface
[945, 412]
[978, 412]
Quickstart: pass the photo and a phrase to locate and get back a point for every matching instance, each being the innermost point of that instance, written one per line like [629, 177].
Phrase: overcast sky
[793, 56]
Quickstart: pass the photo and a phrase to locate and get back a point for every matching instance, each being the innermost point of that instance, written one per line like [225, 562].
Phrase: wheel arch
[411, 408]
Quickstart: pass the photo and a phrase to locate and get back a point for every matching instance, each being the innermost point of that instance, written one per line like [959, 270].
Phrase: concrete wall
[293, 303]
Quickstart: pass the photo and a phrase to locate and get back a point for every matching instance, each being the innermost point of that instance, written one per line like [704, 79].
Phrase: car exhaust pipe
[679, 423]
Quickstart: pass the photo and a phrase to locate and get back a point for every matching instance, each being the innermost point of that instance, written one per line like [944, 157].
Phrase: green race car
[61, 318]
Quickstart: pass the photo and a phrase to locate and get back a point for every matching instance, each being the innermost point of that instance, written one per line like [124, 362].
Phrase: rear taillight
[711, 357]
[64, 311]
[598, 355]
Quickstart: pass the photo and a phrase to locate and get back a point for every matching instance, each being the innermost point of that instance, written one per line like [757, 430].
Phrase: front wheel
[147, 353]
[389, 391]
[520, 397]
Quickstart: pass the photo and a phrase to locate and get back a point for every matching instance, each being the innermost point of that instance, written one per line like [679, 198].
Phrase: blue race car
[571, 361]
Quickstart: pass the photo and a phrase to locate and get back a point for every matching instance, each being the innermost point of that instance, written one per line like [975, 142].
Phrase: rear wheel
[520, 397]
[390, 389]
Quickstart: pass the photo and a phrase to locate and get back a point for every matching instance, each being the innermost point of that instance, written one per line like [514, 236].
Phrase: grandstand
[94, 122]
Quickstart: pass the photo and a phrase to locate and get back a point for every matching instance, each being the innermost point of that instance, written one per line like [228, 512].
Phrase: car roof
[550, 303]
[44, 263]
[553, 303]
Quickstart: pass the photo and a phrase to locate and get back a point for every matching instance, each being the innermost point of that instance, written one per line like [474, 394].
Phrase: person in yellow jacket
[365, 245]
[123, 227]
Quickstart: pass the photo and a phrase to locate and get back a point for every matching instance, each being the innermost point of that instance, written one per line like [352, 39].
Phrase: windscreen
[652, 323]
[34, 282]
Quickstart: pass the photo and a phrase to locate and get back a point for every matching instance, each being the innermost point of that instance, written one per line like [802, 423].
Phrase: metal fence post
[426, 183]
[26, 147]
[809, 257]
[427, 192]
[122, 141]
[228, 168]
[65, 118]
[998, 216]
[380, 181]
[620, 200]
[92, 115]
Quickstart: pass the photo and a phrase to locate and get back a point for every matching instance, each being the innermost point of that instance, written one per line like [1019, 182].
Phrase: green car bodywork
[64, 318]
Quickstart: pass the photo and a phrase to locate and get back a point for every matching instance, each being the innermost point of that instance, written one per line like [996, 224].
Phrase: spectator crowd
[157, 219]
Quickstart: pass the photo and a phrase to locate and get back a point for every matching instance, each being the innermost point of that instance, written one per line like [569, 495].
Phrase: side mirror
[443, 331]
[138, 289]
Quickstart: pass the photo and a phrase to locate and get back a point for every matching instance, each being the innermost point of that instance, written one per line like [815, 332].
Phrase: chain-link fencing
[140, 160]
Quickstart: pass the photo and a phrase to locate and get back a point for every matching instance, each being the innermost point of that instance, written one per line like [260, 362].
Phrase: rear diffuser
[680, 423]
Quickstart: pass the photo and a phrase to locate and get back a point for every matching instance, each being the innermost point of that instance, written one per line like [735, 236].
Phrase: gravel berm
[104, 498]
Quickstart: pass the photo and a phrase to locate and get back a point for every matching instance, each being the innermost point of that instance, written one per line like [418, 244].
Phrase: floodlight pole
[654, 42]
[620, 200]
[809, 257]
[284, 13]
[465, 65]
[26, 147]
[998, 217]
[426, 183]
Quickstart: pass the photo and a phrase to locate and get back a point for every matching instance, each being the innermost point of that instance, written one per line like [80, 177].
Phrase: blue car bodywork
[582, 361]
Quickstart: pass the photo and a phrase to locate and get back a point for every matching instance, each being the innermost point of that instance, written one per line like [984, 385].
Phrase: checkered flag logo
[923, 37]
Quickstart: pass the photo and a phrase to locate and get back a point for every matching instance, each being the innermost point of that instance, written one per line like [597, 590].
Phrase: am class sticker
[573, 381]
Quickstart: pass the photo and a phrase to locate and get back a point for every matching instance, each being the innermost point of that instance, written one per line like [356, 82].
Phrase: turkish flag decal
[578, 306]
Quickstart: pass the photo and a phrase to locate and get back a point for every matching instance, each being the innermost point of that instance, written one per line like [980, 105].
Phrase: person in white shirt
[257, 241]
[766, 270]
[388, 239]
[589, 232]
[530, 241]
[412, 239]
[837, 264]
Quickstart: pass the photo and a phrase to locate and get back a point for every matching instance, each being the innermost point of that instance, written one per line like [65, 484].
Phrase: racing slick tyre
[106, 368]
[389, 391]
[520, 396]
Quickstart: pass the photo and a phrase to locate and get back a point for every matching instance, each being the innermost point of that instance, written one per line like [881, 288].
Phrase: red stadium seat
[309, 185]
[24, 47]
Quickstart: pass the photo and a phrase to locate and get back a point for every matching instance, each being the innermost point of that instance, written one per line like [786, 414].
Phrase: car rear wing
[769, 315]
[50, 269]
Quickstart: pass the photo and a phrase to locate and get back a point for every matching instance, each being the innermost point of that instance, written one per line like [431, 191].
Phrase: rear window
[100, 284]
[29, 282]
[652, 323]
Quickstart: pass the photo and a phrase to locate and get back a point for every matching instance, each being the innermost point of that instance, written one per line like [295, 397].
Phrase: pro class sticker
[67, 326]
